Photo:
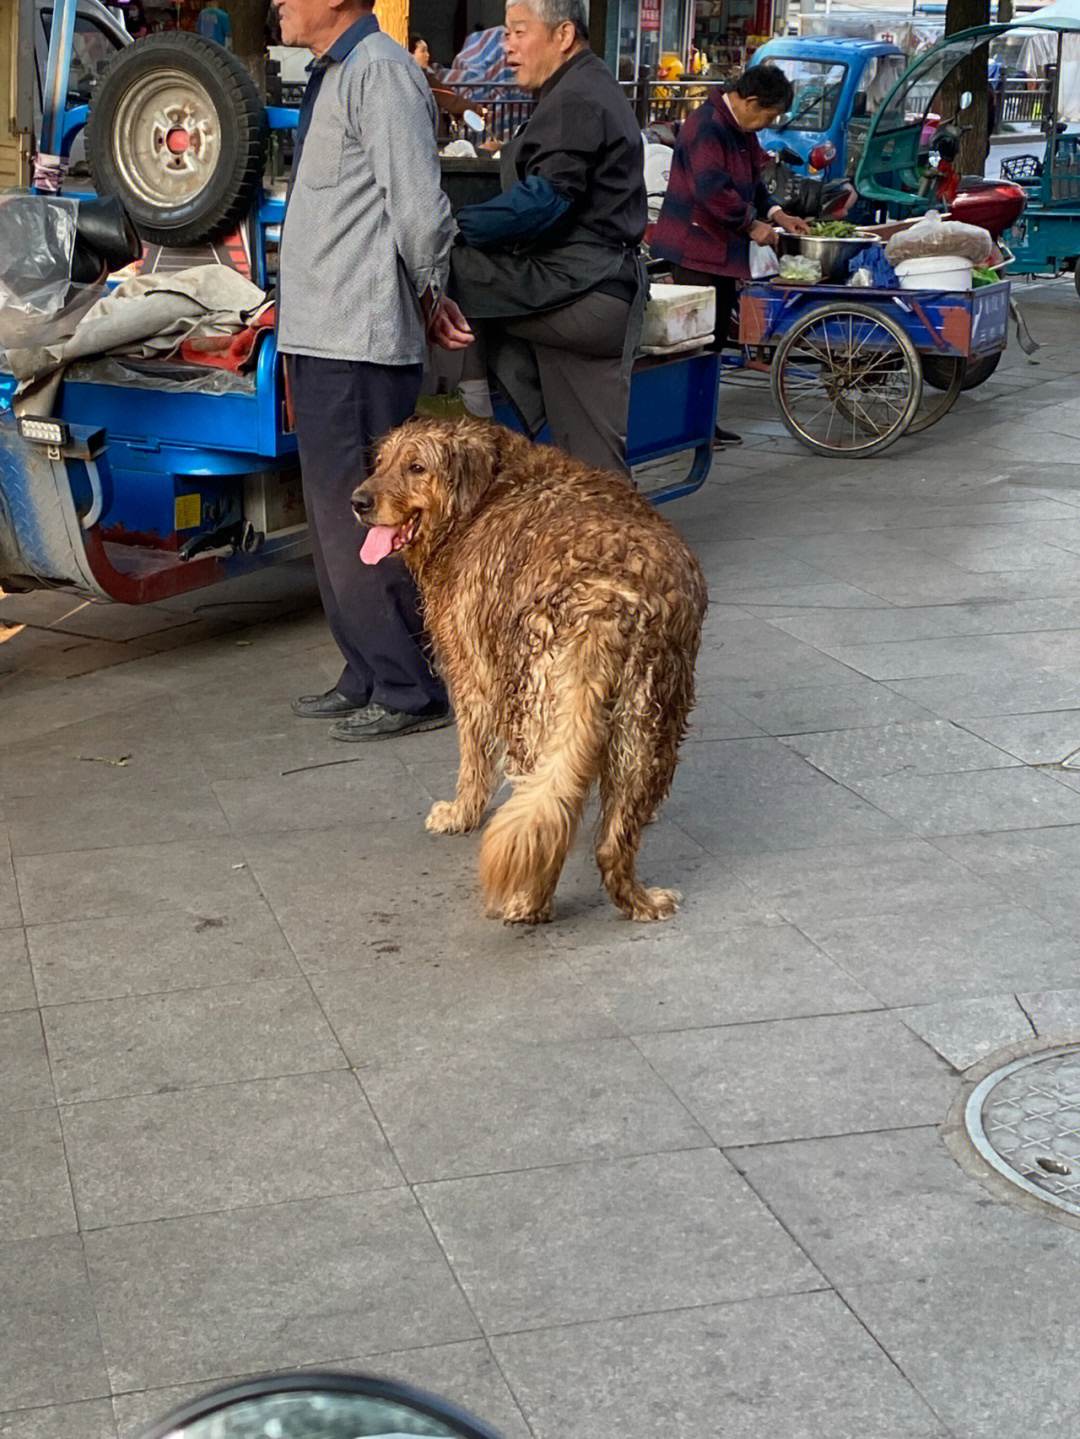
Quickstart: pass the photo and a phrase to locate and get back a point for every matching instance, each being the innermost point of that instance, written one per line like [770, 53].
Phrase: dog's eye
[416, 468]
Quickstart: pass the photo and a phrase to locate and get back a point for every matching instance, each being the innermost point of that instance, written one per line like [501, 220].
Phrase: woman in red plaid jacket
[716, 202]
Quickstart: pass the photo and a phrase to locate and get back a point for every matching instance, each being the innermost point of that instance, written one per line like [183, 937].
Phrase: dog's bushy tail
[527, 840]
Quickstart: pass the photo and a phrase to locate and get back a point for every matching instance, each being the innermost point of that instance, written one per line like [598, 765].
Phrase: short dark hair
[415, 40]
[767, 84]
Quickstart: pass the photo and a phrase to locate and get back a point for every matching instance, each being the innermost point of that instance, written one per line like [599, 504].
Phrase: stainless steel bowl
[831, 254]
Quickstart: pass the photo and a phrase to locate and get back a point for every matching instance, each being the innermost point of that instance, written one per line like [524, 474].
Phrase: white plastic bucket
[935, 272]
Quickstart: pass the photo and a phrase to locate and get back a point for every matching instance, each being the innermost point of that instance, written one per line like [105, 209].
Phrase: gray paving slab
[128, 814]
[10, 908]
[995, 1354]
[1054, 1014]
[930, 1221]
[149, 1044]
[512, 996]
[90, 1420]
[271, 1141]
[807, 709]
[50, 1351]
[163, 949]
[960, 803]
[788, 1079]
[754, 651]
[800, 1366]
[700, 972]
[25, 1082]
[465, 1371]
[600, 1240]
[35, 1190]
[135, 748]
[936, 953]
[202, 877]
[503, 1106]
[712, 895]
[1033, 867]
[761, 799]
[1036, 739]
[963, 696]
[16, 981]
[966, 1031]
[889, 750]
[313, 1281]
[371, 788]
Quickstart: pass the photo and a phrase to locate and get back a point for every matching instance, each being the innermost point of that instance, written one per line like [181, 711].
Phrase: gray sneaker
[374, 721]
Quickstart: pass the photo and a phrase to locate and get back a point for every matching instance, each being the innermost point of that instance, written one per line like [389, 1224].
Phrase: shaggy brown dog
[565, 615]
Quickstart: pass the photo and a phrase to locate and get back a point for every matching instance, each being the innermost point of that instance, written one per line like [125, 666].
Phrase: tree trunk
[393, 16]
[249, 35]
[971, 75]
[249, 30]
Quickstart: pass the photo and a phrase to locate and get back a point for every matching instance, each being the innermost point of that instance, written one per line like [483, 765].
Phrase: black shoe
[374, 721]
[331, 705]
[726, 437]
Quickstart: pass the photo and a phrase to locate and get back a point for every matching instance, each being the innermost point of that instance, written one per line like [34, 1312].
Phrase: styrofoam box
[677, 313]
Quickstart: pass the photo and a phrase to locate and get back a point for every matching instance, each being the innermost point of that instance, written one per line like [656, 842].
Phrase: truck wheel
[176, 130]
[938, 370]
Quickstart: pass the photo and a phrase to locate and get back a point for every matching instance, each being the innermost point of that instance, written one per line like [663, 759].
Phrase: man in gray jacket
[364, 254]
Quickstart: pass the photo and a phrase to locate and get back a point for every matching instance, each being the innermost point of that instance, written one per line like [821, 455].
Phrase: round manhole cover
[1024, 1119]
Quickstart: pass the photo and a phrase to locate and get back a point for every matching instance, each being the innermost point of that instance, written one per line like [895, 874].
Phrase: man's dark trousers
[342, 409]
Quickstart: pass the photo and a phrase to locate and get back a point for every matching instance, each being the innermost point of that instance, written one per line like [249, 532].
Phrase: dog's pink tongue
[378, 544]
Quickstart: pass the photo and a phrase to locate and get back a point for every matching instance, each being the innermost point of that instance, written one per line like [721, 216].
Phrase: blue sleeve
[523, 212]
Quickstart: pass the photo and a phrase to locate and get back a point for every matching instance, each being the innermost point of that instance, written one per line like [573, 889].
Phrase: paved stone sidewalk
[273, 1093]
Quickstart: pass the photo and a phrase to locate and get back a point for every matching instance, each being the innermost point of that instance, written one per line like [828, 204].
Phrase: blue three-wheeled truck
[143, 478]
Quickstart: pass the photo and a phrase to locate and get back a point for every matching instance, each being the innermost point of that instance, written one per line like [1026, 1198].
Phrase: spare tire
[938, 370]
[177, 130]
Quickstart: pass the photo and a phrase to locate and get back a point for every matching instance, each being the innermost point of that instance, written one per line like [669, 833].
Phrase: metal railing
[1024, 101]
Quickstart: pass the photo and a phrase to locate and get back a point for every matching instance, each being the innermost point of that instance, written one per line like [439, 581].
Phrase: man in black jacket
[554, 260]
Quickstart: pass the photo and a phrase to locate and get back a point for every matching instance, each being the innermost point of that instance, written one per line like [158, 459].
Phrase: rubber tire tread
[233, 187]
[911, 356]
[929, 414]
[937, 370]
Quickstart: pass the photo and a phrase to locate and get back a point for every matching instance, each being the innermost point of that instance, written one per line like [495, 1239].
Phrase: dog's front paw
[448, 817]
[649, 904]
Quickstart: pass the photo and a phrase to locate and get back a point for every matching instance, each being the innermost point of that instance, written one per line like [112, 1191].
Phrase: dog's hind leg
[527, 840]
[635, 776]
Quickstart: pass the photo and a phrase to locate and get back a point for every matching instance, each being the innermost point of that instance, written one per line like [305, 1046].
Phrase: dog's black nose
[362, 503]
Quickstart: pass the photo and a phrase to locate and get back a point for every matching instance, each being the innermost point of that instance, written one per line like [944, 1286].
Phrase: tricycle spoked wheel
[938, 400]
[939, 371]
[177, 130]
[847, 380]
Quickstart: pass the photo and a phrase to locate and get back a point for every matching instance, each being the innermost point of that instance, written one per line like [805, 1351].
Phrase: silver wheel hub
[167, 139]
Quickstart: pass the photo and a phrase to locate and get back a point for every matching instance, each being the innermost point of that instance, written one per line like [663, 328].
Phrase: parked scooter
[314, 1405]
[808, 196]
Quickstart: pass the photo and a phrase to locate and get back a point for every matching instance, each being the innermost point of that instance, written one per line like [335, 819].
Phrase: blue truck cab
[839, 84]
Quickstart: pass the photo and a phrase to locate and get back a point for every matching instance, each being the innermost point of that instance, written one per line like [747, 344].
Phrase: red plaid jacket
[714, 194]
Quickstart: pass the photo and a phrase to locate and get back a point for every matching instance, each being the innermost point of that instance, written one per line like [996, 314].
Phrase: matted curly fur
[565, 615]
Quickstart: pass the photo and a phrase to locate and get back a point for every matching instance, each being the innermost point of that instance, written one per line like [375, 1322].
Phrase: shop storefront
[727, 32]
[714, 37]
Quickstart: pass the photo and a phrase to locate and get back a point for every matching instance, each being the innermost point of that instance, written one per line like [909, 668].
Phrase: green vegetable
[833, 229]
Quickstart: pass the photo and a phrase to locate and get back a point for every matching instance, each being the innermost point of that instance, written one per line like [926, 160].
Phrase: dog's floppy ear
[472, 457]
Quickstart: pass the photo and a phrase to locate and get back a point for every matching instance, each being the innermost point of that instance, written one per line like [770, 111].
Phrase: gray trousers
[578, 350]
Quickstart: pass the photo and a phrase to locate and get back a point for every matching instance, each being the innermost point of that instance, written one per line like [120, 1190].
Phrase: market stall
[848, 360]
